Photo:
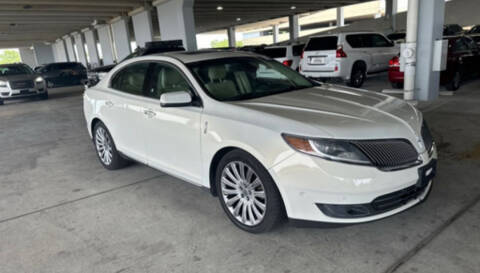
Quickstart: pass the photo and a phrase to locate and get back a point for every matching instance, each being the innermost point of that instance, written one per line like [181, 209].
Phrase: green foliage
[10, 56]
[223, 43]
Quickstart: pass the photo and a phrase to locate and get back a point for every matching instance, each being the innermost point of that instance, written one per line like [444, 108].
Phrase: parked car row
[463, 58]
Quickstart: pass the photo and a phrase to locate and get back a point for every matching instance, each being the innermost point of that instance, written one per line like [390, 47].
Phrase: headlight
[39, 80]
[331, 149]
[3, 84]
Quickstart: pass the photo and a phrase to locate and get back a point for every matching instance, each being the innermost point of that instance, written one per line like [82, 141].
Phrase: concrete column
[293, 27]
[43, 53]
[105, 39]
[121, 38]
[177, 22]
[61, 51]
[276, 33]
[340, 17]
[80, 44]
[232, 42]
[70, 51]
[430, 29]
[28, 56]
[390, 12]
[142, 26]
[91, 40]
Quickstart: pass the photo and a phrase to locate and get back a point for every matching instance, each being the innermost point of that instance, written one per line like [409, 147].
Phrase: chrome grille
[389, 154]
[427, 138]
[21, 84]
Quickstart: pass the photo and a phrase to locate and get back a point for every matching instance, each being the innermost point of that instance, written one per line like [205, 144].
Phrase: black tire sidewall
[357, 68]
[275, 209]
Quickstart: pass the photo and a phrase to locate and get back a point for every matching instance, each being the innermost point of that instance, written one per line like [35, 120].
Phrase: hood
[341, 112]
[21, 77]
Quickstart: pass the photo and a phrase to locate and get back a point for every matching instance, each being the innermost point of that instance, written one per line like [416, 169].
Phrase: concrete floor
[60, 211]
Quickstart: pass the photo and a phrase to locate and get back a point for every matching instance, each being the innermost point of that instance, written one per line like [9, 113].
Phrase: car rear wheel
[1, 102]
[247, 193]
[454, 84]
[358, 75]
[44, 96]
[106, 151]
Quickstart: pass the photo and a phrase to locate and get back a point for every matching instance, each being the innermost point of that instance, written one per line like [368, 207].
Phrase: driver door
[172, 133]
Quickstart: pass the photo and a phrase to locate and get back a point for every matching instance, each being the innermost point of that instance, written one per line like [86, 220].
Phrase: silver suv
[19, 81]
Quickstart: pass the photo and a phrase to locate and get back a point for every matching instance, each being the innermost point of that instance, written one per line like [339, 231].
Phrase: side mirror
[176, 99]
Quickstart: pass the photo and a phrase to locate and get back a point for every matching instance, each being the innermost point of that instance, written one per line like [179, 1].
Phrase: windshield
[241, 78]
[11, 70]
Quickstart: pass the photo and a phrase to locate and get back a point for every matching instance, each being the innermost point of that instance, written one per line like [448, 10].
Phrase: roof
[203, 55]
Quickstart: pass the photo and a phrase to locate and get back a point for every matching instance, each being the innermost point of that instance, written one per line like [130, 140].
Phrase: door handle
[109, 103]
[149, 113]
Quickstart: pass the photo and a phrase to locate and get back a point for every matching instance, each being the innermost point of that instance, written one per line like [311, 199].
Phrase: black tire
[358, 75]
[454, 84]
[117, 161]
[1, 102]
[274, 212]
[397, 85]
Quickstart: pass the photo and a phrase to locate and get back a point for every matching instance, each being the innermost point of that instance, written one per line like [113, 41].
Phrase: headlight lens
[331, 149]
[3, 84]
[39, 80]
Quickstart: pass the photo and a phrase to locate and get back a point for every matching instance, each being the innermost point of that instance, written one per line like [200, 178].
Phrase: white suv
[347, 56]
[288, 55]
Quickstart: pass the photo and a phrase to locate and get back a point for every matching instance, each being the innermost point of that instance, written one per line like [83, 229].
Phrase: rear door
[296, 54]
[320, 54]
[383, 50]
[126, 109]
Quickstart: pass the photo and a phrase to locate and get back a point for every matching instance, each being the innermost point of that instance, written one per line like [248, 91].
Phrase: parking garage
[61, 211]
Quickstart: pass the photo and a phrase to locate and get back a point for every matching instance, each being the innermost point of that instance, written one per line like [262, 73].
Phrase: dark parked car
[63, 74]
[96, 74]
[452, 29]
[474, 30]
[462, 63]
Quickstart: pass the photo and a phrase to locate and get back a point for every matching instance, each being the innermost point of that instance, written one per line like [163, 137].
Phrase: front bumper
[318, 190]
[8, 94]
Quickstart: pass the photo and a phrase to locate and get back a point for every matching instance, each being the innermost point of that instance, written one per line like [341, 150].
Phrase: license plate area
[317, 60]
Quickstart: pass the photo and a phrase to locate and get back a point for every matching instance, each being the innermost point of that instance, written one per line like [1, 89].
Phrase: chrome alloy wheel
[103, 144]
[243, 193]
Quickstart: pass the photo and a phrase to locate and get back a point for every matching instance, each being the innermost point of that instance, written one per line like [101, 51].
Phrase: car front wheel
[106, 151]
[454, 84]
[247, 193]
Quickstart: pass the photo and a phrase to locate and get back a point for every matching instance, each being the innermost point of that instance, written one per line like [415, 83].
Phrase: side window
[379, 41]
[131, 79]
[358, 40]
[458, 46]
[297, 50]
[166, 78]
[470, 43]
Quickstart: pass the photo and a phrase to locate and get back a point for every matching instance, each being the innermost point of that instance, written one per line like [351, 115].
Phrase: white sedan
[267, 141]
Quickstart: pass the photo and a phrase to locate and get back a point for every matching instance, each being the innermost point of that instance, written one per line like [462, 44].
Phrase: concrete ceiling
[23, 22]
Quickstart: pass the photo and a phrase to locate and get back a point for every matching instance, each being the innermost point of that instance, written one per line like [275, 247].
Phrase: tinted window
[275, 52]
[358, 40]
[475, 29]
[470, 43]
[458, 45]
[379, 41]
[396, 36]
[476, 39]
[63, 66]
[297, 50]
[131, 79]
[322, 43]
[166, 78]
[10, 70]
[246, 78]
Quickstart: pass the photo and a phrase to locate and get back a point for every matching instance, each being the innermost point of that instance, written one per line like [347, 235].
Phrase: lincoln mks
[270, 143]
